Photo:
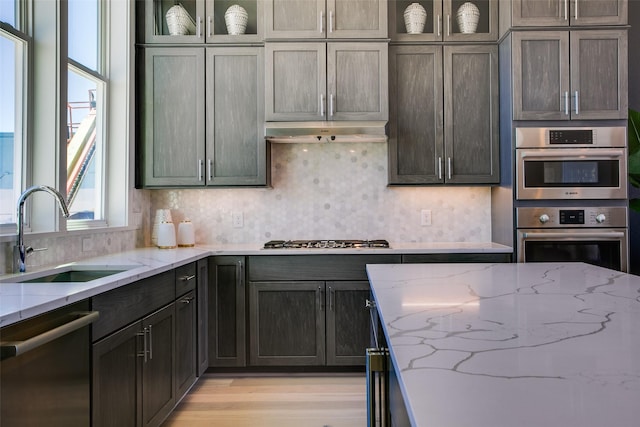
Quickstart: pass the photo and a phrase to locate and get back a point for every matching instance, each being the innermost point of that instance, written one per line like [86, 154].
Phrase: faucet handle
[30, 249]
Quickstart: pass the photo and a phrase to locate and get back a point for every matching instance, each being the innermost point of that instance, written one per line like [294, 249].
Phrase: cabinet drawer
[460, 257]
[126, 304]
[314, 267]
[185, 278]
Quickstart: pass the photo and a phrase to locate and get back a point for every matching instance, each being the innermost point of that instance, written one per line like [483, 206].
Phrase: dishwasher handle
[15, 348]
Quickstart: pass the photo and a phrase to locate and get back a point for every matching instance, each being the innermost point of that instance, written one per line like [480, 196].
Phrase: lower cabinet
[186, 318]
[133, 381]
[308, 323]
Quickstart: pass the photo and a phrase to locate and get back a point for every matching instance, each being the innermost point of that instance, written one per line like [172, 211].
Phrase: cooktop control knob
[600, 218]
[544, 218]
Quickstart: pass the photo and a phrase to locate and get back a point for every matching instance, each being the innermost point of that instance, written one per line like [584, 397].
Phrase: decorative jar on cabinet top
[236, 18]
[468, 16]
[415, 16]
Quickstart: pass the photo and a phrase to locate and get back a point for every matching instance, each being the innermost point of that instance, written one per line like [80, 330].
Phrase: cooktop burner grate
[325, 244]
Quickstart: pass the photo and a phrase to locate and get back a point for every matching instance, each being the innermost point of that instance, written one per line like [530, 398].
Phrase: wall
[331, 191]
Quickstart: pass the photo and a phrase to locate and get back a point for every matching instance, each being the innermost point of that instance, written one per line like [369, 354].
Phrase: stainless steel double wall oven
[571, 195]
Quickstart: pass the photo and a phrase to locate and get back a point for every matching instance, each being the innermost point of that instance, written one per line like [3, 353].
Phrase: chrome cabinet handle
[199, 27]
[440, 168]
[186, 300]
[448, 25]
[576, 11]
[566, 10]
[210, 169]
[15, 348]
[566, 103]
[322, 105]
[143, 334]
[577, 100]
[331, 292]
[439, 24]
[331, 105]
[319, 298]
[200, 164]
[187, 278]
[150, 330]
[449, 166]
[240, 273]
[331, 21]
[209, 26]
[321, 21]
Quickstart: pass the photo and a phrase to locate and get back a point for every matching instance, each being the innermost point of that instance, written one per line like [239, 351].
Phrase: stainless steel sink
[71, 273]
[74, 276]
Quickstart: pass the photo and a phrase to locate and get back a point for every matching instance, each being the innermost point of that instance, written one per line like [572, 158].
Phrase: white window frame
[47, 87]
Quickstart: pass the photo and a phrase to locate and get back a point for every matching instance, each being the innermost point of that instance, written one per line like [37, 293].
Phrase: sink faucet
[20, 251]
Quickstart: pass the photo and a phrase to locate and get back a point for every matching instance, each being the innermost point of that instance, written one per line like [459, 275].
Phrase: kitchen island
[503, 345]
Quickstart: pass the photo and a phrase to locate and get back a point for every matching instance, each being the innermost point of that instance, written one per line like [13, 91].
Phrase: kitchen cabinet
[144, 348]
[227, 331]
[208, 22]
[309, 310]
[443, 125]
[441, 23]
[555, 13]
[570, 75]
[313, 19]
[191, 94]
[186, 328]
[326, 81]
[203, 315]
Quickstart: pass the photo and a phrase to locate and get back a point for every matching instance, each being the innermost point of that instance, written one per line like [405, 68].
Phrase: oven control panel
[573, 217]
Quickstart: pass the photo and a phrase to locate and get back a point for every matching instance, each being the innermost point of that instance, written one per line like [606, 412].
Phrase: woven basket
[415, 17]
[179, 21]
[468, 16]
[236, 18]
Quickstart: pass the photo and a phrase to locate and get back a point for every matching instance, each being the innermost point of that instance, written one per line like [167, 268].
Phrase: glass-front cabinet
[443, 20]
[201, 21]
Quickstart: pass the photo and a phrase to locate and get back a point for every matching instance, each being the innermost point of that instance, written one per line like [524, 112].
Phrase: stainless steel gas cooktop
[325, 244]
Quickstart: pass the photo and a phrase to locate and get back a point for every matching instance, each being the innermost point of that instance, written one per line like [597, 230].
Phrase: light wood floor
[274, 401]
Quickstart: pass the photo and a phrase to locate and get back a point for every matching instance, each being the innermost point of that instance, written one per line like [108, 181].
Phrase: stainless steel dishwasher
[45, 369]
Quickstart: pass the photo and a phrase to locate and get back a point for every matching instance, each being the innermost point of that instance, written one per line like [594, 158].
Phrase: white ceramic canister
[186, 234]
[162, 215]
[166, 235]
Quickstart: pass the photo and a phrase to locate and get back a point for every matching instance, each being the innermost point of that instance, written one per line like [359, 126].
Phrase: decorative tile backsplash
[331, 191]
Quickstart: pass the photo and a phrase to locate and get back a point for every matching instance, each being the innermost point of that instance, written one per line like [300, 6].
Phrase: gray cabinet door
[214, 26]
[287, 323]
[295, 81]
[172, 28]
[568, 12]
[235, 147]
[593, 87]
[158, 371]
[203, 315]
[357, 19]
[416, 114]
[117, 367]
[227, 331]
[471, 134]
[599, 76]
[173, 117]
[540, 66]
[348, 322]
[357, 81]
[186, 327]
[314, 19]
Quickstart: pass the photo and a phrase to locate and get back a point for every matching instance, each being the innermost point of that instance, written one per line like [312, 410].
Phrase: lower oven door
[602, 247]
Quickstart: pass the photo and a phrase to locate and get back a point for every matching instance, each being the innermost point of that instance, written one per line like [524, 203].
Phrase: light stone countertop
[505, 345]
[19, 301]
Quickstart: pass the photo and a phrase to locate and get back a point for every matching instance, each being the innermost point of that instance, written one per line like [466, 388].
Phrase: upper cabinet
[567, 12]
[326, 81]
[443, 120]
[570, 75]
[319, 19]
[444, 20]
[200, 21]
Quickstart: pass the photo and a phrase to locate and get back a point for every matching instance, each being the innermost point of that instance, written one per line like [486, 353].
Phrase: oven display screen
[571, 216]
[570, 136]
[583, 172]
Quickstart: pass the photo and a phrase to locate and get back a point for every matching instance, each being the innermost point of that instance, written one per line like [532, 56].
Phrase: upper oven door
[571, 173]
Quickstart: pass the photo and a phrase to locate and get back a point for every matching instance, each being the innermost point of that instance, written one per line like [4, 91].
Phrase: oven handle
[572, 153]
[613, 235]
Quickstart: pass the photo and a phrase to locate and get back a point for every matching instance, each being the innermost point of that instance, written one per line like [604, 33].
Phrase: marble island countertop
[20, 301]
[505, 345]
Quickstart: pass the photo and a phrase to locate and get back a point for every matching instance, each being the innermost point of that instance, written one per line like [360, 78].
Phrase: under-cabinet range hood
[323, 132]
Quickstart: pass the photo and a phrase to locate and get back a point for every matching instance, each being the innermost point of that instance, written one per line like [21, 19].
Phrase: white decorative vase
[468, 16]
[415, 16]
[236, 18]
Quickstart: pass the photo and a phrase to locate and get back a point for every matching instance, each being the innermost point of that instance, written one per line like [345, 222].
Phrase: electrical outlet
[425, 217]
[237, 219]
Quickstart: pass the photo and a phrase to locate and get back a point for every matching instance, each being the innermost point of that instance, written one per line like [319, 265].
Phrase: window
[13, 45]
[82, 115]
